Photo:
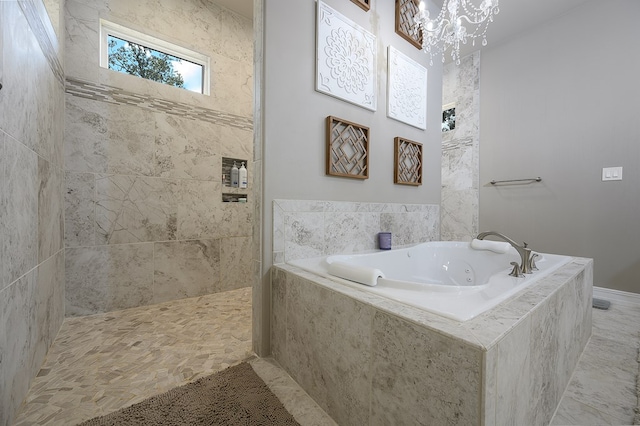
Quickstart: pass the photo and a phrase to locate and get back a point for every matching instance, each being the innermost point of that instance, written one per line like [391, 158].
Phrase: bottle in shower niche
[234, 175]
[243, 176]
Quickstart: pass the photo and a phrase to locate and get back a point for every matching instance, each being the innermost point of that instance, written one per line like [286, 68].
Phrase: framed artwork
[407, 168]
[364, 4]
[345, 59]
[406, 90]
[405, 11]
[347, 149]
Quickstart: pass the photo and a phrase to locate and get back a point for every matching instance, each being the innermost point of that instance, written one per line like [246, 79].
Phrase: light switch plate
[611, 173]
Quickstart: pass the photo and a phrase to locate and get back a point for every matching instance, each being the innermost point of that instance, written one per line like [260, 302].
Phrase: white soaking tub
[446, 278]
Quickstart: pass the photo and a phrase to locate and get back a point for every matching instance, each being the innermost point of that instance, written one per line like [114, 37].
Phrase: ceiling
[241, 7]
[515, 17]
[519, 16]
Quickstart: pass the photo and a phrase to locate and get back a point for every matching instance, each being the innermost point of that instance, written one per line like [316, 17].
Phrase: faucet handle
[525, 245]
[517, 271]
[532, 262]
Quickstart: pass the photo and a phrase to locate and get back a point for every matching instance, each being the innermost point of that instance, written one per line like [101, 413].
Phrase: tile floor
[101, 363]
[602, 390]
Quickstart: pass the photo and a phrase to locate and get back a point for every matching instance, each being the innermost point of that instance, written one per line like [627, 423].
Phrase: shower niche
[233, 191]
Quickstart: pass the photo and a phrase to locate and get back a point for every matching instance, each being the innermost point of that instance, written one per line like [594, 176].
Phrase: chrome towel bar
[538, 179]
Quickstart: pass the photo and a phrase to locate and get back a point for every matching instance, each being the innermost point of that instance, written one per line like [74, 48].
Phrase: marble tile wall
[31, 197]
[305, 228]
[369, 360]
[144, 217]
[460, 151]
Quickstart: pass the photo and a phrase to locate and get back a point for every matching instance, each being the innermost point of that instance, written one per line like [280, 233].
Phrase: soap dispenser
[243, 176]
[234, 175]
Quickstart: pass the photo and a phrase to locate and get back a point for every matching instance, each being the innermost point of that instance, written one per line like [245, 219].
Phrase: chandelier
[458, 21]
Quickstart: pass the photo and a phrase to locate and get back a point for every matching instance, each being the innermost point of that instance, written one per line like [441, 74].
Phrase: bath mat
[235, 396]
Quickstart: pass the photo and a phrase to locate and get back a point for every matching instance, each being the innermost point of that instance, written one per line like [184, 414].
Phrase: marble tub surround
[307, 228]
[350, 351]
[31, 197]
[145, 222]
[460, 150]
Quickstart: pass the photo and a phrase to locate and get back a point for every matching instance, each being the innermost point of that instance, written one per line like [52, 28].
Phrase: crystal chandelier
[458, 21]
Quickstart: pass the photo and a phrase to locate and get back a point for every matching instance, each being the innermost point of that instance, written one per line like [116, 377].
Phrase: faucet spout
[523, 250]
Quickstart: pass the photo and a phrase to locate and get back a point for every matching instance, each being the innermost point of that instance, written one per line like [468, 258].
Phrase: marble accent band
[114, 95]
[39, 23]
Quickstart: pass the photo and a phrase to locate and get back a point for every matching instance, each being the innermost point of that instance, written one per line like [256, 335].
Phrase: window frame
[108, 28]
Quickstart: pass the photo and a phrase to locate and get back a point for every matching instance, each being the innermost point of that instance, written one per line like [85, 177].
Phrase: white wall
[294, 118]
[561, 102]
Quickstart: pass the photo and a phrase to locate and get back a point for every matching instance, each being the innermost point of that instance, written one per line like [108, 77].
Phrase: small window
[131, 52]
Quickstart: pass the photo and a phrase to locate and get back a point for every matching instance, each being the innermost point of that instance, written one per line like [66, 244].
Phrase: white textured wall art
[345, 59]
[406, 90]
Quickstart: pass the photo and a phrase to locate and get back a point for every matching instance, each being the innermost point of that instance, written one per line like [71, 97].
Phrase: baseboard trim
[617, 296]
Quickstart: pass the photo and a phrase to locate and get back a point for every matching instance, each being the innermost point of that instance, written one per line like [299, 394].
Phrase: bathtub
[446, 278]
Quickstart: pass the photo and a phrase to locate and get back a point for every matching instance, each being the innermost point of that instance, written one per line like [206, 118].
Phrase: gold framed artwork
[407, 169]
[347, 152]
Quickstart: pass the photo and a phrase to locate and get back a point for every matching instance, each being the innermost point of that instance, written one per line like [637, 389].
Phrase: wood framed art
[406, 90]
[347, 149]
[405, 11]
[364, 4]
[346, 59]
[407, 168]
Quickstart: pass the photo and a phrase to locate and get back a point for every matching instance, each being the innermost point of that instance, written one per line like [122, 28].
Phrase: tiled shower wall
[31, 196]
[460, 148]
[144, 218]
[305, 228]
